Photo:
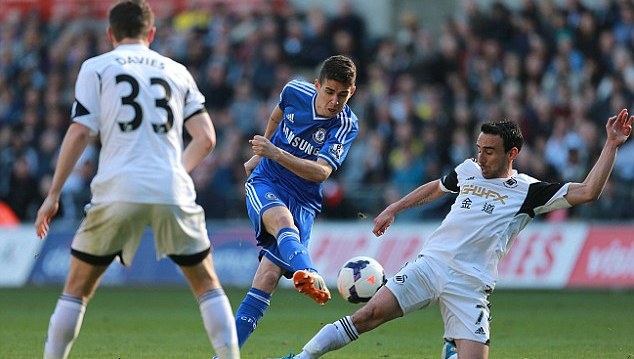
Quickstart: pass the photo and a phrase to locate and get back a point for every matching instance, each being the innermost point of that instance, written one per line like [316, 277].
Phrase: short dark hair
[339, 68]
[131, 19]
[508, 130]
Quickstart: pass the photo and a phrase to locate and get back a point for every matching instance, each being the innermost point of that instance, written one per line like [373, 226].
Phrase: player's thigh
[112, 228]
[180, 231]
[261, 197]
[417, 285]
[465, 309]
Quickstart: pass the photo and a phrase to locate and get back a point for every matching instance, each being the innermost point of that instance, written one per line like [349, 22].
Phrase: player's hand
[261, 146]
[44, 214]
[251, 164]
[619, 127]
[382, 222]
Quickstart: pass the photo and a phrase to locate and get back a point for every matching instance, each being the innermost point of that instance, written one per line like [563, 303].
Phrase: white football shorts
[118, 226]
[463, 299]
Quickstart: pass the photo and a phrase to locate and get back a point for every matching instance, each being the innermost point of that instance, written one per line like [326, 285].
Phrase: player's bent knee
[189, 260]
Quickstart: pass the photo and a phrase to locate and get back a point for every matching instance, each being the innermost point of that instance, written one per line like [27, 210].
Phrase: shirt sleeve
[339, 140]
[86, 107]
[543, 197]
[194, 99]
[449, 183]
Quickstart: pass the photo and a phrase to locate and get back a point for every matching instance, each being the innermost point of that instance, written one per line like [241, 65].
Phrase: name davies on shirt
[299, 143]
[140, 60]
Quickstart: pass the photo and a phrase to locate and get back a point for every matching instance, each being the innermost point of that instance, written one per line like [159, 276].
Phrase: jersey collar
[130, 46]
[316, 117]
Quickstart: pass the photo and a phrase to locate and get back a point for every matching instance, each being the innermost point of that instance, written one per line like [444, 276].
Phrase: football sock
[251, 310]
[64, 327]
[292, 250]
[218, 320]
[330, 337]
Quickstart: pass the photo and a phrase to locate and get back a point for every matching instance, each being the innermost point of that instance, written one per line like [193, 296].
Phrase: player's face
[493, 160]
[331, 97]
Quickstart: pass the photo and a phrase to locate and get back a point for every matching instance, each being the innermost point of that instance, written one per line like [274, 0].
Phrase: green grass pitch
[165, 323]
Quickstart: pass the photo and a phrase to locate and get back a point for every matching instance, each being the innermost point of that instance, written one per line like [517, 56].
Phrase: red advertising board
[606, 259]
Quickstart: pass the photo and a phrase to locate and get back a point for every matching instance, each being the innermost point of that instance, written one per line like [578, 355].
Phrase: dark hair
[131, 19]
[339, 68]
[508, 130]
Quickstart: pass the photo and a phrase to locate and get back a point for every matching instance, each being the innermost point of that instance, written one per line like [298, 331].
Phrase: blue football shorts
[262, 194]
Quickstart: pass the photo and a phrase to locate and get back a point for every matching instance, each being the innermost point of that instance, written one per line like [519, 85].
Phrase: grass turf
[165, 323]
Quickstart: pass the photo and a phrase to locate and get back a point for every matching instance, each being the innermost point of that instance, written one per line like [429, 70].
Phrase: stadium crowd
[558, 70]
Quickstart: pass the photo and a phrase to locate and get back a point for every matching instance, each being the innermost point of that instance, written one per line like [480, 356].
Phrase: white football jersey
[486, 216]
[137, 100]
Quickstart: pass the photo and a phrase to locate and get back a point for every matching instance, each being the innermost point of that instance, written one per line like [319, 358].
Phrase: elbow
[79, 133]
[322, 175]
[320, 178]
[209, 143]
[594, 197]
[590, 197]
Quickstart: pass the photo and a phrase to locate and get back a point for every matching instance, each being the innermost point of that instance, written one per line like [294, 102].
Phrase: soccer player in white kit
[137, 101]
[457, 266]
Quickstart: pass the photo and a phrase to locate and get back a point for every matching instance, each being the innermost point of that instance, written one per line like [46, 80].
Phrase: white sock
[219, 323]
[330, 337]
[64, 327]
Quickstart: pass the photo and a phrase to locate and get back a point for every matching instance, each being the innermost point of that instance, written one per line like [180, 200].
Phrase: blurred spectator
[558, 68]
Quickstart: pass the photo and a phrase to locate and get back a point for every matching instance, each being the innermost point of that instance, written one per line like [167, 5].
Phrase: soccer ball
[359, 279]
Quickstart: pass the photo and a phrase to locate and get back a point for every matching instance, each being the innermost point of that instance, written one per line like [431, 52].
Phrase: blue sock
[292, 250]
[250, 311]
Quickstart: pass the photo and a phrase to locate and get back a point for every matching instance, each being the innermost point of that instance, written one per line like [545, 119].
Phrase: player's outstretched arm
[75, 141]
[203, 140]
[618, 130]
[426, 193]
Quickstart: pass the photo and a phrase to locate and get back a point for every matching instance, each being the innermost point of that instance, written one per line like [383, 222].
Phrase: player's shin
[293, 250]
[331, 337]
[219, 323]
[251, 310]
[64, 327]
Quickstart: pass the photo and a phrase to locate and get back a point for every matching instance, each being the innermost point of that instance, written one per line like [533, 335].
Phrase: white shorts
[463, 299]
[115, 227]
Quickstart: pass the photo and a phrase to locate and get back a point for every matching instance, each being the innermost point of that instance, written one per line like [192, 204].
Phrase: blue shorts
[262, 194]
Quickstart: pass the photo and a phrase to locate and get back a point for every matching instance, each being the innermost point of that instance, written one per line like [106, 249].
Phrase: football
[360, 278]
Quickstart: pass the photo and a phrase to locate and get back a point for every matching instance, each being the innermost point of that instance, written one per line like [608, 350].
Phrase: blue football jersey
[305, 134]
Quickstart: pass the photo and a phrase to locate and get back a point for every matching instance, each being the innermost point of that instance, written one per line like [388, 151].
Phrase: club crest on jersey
[290, 117]
[336, 151]
[510, 183]
[319, 136]
[270, 196]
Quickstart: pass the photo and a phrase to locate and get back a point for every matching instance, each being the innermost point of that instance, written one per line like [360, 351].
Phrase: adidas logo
[400, 278]
[290, 117]
[480, 331]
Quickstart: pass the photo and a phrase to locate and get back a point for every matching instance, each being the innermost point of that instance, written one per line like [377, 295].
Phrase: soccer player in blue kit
[307, 137]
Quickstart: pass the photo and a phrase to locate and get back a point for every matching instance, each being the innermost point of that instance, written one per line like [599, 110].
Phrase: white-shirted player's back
[138, 111]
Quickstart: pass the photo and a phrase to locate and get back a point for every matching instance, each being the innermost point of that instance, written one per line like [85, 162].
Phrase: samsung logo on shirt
[299, 143]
